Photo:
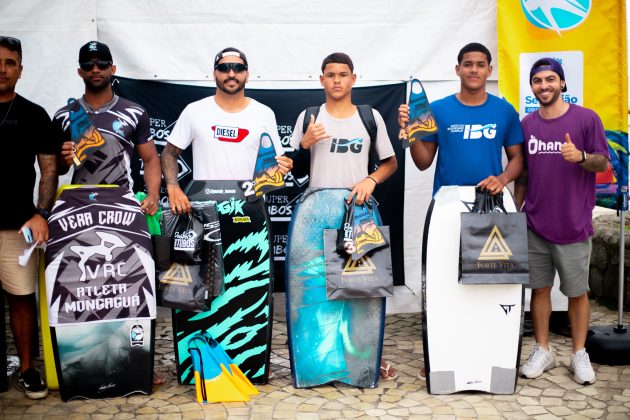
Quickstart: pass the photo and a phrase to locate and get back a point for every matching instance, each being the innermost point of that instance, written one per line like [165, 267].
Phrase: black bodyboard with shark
[100, 291]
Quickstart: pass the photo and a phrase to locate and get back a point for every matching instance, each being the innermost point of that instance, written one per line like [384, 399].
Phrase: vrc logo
[556, 15]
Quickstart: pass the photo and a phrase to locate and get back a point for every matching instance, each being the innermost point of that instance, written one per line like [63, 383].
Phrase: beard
[231, 90]
[96, 87]
[551, 100]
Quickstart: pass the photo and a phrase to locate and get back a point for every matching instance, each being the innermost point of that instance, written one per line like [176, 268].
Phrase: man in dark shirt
[24, 131]
[123, 124]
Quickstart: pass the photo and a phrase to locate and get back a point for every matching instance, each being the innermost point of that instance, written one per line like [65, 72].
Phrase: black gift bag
[493, 243]
[193, 273]
[369, 276]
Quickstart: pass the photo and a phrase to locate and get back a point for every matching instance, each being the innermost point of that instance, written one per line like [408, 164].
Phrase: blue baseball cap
[543, 64]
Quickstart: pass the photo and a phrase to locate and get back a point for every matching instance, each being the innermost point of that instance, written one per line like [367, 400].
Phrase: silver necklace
[7, 114]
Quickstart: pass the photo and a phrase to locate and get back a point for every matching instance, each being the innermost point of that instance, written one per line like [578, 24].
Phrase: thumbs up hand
[314, 133]
[569, 152]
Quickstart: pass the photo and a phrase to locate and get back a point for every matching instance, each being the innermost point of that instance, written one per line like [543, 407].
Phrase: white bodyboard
[472, 333]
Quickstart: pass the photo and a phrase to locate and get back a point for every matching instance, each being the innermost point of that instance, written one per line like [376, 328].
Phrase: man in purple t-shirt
[565, 145]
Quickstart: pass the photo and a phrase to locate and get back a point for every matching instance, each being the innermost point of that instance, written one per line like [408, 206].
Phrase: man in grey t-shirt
[338, 141]
[340, 144]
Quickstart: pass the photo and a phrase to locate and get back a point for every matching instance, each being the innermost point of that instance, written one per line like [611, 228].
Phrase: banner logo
[495, 248]
[362, 266]
[177, 274]
[556, 15]
[229, 134]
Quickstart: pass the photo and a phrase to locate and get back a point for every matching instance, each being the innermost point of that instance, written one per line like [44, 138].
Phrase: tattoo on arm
[595, 163]
[48, 180]
[169, 163]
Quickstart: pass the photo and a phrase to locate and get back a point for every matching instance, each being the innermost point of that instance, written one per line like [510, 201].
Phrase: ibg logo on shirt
[229, 134]
[476, 131]
[345, 145]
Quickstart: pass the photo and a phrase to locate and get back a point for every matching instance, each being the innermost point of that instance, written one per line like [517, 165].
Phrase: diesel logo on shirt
[229, 134]
[343, 145]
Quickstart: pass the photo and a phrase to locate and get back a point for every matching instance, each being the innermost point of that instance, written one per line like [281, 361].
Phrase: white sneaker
[581, 368]
[539, 361]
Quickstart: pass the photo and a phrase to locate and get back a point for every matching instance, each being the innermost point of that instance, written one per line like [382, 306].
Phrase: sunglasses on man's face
[89, 65]
[226, 67]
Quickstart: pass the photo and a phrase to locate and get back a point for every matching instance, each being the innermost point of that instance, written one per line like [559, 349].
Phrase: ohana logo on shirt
[475, 131]
[229, 134]
[345, 145]
[535, 146]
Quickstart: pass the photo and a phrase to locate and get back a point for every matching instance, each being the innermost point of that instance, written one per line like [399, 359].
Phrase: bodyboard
[101, 293]
[471, 333]
[329, 340]
[47, 348]
[421, 119]
[240, 319]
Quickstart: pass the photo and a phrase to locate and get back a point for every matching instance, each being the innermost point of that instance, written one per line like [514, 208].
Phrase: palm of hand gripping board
[86, 138]
[267, 176]
[421, 120]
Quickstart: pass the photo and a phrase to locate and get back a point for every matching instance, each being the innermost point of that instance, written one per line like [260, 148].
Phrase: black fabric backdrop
[165, 101]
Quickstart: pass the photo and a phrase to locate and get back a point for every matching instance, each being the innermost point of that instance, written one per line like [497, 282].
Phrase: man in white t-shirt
[340, 144]
[224, 130]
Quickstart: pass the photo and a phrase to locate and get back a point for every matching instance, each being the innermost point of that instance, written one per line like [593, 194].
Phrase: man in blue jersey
[473, 128]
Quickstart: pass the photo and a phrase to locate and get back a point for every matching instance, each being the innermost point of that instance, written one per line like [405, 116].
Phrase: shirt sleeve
[181, 136]
[297, 135]
[384, 147]
[42, 129]
[596, 137]
[514, 133]
[60, 128]
[143, 130]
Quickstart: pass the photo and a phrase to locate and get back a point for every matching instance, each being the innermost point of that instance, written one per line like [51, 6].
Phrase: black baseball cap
[94, 49]
[229, 52]
[543, 64]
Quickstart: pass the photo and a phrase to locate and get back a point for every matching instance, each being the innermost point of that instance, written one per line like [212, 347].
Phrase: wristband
[43, 212]
[375, 181]
[583, 157]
